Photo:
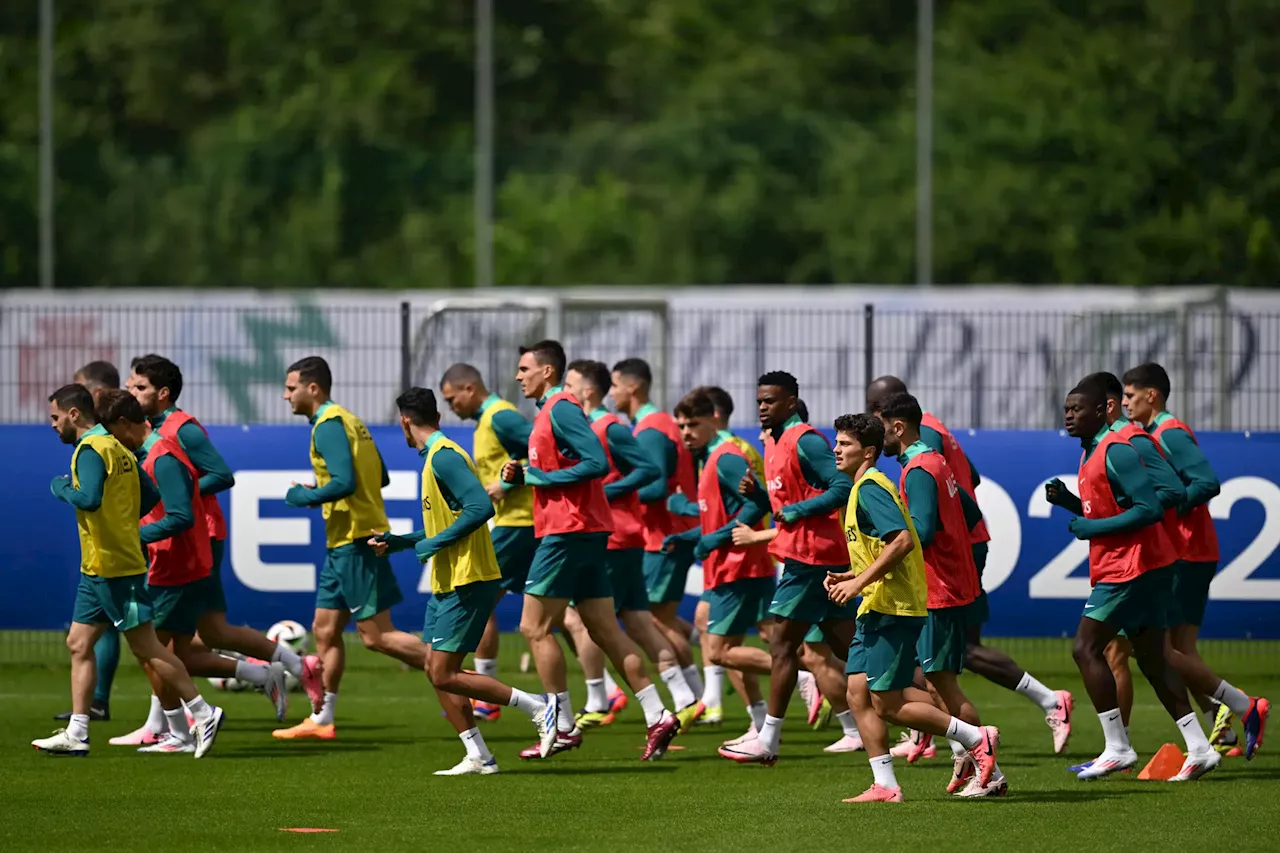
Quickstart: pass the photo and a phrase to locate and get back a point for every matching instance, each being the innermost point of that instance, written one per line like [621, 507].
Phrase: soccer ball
[295, 636]
[230, 684]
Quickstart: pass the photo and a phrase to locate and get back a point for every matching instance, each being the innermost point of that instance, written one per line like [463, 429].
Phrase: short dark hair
[548, 352]
[117, 405]
[867, 429]
[75, 396]
[594, 372]
[720, 397]
[315, 369]
[636, 368]
[1108, 382]
[696, 404]
[901, 406]
[781, 379]
[160, 372]
[419, 404]
[1093, 392]
[461, 373]
[1149, 375]
[802, 411]
[102, 374]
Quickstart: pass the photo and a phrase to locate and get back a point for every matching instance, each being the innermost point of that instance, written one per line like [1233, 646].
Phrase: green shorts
[942, 640]
[217, 602]
[1190, 592]
[515, 547]
[739, 606]
[178, 608]
[802, 597]
[570, 565]
[358, 581]
[626, 577]
[884, 647]
[123, 603]
[1134, 605]
[455, 620]
[665, 574]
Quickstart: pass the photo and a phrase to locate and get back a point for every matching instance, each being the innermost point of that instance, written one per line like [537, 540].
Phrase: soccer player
[1130, 560]
[1146, 391]
[571, 518]
[665, 573]
[991, 663]
[805, 493]
[887, 568]
[176, 537]
[156, 383]
[465, 583]
[355, 582]
[501, 434]
[110, 495]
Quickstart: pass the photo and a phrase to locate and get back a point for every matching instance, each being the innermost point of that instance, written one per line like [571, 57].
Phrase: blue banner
[1036, 572]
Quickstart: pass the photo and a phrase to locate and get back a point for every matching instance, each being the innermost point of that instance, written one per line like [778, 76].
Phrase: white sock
[848, 724]
[609, 684]
[155, 717]
[1193, 734]
[713, 689]
[475, 745]
[292, 660]
[682, 695]
[177, 721]
[957, 748]
[325, 717]
[693, 678]
[78, 728]
[200, 710]
[487, 666]
[967, 734]
[1037, 692]
[1113, 730]
[1236, 700]
[882, 770]
[651, 703]
[527, 702]
[564, 722]
[254, 673]
[771, 733]
[758, 711]
[597, 696]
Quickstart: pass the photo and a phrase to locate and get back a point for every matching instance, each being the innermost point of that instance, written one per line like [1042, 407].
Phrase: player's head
[307, 384]
[98, 376]
[882, 387]
[900, 414]
[463, 390]
[156, 382]
[697, 420]
[71, 411]
[1146, 391]
[1084, 413]
[1112, 389]
[588, 381]
[540, 368]
[859, 440]
[722, 401]
[121, 413]
[631, 379]
[777, 396]
[419, 415]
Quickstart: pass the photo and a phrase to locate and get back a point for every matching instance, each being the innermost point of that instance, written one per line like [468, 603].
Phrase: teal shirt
[1132, 488]
[92, 473]
[177, 493]
[878, 513]
[215, 474]
[1188, 461]
[818, 466]
[662, 451]
[464, 494]
[1169, 489]
[920, 491]
[635, 466]
[730, 469]
[334, 448]
[576, 440]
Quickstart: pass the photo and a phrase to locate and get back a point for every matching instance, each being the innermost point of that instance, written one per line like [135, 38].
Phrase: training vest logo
[533, 456]
[1087, 506]
[775, 484]
[702, 505]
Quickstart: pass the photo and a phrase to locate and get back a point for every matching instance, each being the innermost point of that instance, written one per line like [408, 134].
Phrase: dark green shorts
[884, 647]
[665, 574]
[1190, 592]
[942, 640]
[515, 547]
[456, 620]
[120, 602]
[626, 577]
[802, 597]
[217, 598]
[358, 581]
[571, 566]
[1143, 602]
[739, 606]
[178, 609]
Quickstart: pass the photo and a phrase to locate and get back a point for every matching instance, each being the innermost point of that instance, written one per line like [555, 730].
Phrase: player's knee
[1084, 651]
[534, 631]
[78, 645]
[439, 672]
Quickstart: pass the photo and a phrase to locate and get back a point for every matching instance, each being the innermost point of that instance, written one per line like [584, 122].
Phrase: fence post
[406, 348]
[868, 344]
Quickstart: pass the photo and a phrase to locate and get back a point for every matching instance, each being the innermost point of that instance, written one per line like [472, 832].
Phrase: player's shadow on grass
[1085, 791]
[595, 769]
[297, 752]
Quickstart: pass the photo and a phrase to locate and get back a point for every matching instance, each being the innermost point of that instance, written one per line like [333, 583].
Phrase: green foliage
[329, 143]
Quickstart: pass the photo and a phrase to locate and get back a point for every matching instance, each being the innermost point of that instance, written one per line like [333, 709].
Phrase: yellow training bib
[350, 519]
[903, 591]
[516, 509]
[468, 560]
[109, 543]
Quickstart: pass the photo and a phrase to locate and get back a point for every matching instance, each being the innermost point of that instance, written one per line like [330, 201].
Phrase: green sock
[107, 652]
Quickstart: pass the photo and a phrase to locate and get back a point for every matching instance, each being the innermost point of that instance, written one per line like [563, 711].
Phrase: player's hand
[834, 578]
[702, 550]
[295, 495]
[1054, 490]
[744, 535]
[513, 472]
[788, 514]
[59, 484]
[378, 542]
[668, 544]
[845, 591]
[1080, 527]
[495, 491]
[747, 484]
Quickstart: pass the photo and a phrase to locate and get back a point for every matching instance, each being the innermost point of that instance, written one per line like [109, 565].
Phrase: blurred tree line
[329, 142]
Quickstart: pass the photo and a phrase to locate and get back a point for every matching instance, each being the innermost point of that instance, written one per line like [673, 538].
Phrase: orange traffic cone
[1164, 765]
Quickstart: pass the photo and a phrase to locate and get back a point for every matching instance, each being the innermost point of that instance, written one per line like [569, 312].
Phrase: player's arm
[216, 474]
[453, 474]
[662, 452]
[1188, 460]
[818, 465]
[730, 469]
[890, 526]
[1128, 479]
[92, 474]
[972, 512]
[573, 432]
[512, 431]
[921, 493]
[628, 454]
[1169, 489]
[334, 448]
[1057, 494]
[678, 503]
[174, 486]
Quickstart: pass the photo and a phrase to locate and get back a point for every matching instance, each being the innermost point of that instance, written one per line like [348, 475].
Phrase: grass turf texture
[374, 783]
